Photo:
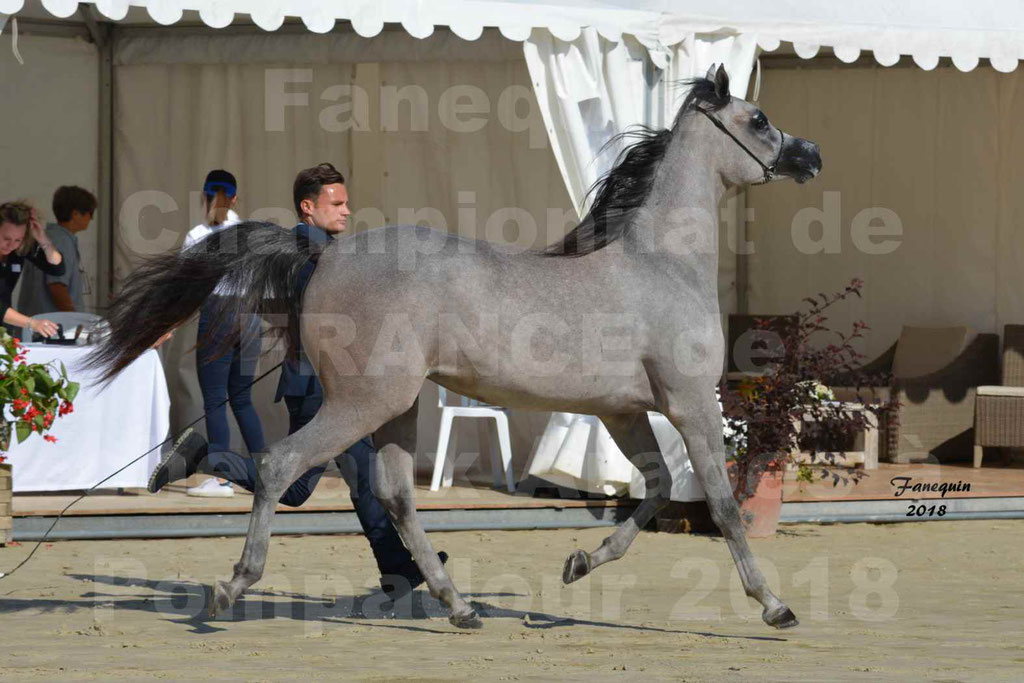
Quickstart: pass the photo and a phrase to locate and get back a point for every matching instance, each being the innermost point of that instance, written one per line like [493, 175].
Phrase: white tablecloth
[576, 451]
[107, 429]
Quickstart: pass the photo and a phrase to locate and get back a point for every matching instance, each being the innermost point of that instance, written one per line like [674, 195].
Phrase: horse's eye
[760, 121]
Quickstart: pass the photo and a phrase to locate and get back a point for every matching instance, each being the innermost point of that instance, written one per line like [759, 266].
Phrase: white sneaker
[211, 488]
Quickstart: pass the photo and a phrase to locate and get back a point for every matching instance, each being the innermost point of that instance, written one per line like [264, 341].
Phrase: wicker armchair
[999, 410]
[935, 375]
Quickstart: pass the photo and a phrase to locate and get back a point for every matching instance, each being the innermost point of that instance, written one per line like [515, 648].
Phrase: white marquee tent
[138, 99]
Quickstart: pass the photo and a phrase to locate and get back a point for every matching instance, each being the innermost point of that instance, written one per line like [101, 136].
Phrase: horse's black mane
[621, 191]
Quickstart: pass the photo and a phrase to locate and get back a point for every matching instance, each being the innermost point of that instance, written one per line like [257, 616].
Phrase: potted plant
[767, 414]
[32, 395]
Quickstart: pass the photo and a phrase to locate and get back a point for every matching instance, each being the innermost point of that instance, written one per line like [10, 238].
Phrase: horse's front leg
[698, 418]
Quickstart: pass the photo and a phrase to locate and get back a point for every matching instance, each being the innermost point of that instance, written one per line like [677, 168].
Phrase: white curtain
[692, 57]
[588, 90]
[185, 106]
[937, 156]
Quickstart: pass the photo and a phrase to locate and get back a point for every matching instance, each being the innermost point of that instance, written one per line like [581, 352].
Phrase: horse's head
[735, 138]
[757, 151]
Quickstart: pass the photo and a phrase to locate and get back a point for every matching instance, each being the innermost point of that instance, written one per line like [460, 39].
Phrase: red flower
[20, 404]
[17, 341]
[51, 439]
[24, 391]
[65, 408]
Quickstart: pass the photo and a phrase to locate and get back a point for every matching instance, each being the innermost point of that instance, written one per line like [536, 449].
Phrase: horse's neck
[680, 215]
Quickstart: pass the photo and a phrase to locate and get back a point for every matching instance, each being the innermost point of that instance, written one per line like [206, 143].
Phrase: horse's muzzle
[801, 161]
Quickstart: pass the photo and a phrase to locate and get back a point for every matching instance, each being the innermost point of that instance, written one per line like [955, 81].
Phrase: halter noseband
[769, 171]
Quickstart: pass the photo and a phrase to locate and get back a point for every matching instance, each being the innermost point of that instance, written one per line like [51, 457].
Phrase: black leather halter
[769, 171]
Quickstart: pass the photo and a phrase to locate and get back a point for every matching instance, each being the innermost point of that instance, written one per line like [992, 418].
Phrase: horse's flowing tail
[256, 266]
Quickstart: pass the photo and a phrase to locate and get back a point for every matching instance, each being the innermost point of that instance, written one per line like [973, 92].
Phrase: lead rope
[177, 436]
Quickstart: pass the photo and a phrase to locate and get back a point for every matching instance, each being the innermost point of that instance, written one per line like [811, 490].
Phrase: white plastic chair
[444, 468]
[69, 319]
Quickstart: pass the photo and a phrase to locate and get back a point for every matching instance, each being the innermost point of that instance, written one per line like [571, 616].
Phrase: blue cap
[220, 180]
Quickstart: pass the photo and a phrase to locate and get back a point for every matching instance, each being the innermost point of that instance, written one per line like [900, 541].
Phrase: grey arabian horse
[390, 307]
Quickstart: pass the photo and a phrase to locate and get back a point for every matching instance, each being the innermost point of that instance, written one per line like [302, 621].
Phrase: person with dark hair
[321, 201]
[224, 373]
[43, 292]
[23, 240]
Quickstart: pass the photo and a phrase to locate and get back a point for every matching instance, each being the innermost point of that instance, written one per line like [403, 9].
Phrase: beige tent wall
[944, 151]
[186, 105]
[50, 120]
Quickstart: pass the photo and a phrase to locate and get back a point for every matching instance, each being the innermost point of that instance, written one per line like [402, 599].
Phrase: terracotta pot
[760, 512]
[6, 504]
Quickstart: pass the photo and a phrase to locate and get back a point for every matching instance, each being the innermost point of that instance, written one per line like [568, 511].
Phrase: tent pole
[103, 36]
[742, 263]
[654, 90]
[105, 268]
[743, 250]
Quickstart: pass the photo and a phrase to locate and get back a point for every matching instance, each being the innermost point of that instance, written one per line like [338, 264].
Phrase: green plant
[33, 395]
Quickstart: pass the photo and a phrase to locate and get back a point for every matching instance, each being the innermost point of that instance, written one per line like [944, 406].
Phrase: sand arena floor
[941, 601]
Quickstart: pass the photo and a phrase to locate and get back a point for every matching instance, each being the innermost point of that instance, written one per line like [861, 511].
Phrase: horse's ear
[710, 75]
[721, 82]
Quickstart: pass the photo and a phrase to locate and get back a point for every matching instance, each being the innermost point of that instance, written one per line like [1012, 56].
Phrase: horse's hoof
[577, 565]
[221, 601]
[470, 620]
[781, 617]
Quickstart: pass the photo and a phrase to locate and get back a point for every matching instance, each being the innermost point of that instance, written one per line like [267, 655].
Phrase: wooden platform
[332, 495]
[961, 481]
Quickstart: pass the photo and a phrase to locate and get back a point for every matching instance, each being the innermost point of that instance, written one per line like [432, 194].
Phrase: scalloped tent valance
[925, 30]
[466, 18]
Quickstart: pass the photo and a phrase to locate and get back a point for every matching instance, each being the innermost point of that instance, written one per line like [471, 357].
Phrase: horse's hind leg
[319, 441]
[393, 485]
[635, 438]
[701, 426]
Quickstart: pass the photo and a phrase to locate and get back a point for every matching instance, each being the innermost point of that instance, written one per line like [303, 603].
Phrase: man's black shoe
[404, 581]
[181, 461]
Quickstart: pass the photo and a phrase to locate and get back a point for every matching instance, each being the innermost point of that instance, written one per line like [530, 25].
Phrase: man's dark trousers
[385, 542]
